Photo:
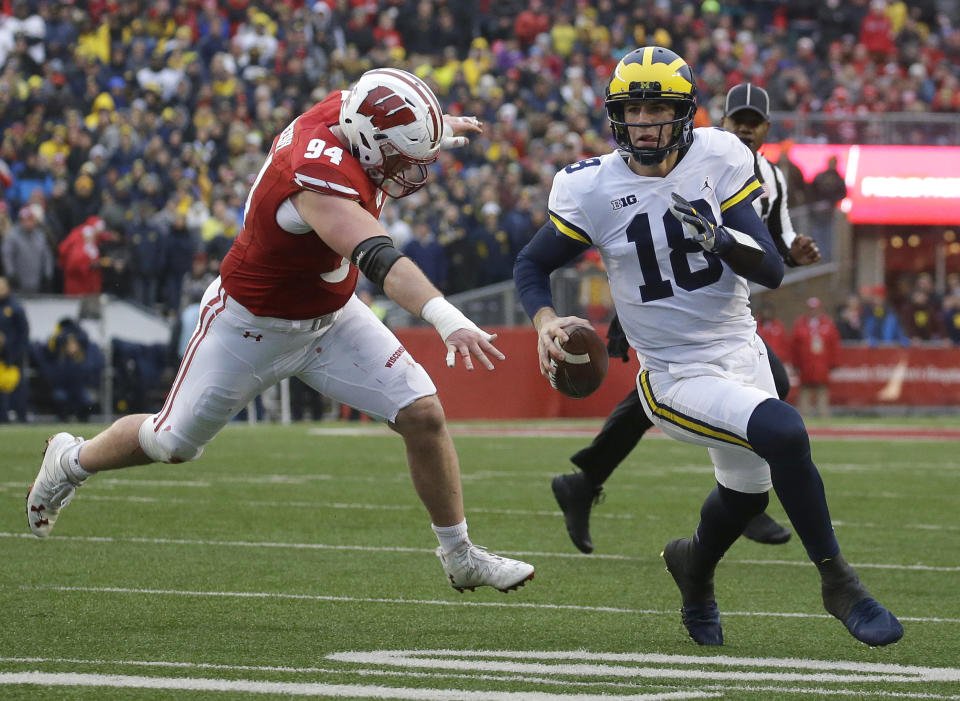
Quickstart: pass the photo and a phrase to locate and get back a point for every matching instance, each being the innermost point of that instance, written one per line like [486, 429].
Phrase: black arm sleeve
[375, 256]
[546, 251]
[744, 218]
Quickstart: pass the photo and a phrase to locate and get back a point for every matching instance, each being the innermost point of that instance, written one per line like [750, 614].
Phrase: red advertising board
[870, 377]
[908, 185]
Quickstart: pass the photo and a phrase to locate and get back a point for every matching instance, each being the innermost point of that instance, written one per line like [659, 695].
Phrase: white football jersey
[676, 303]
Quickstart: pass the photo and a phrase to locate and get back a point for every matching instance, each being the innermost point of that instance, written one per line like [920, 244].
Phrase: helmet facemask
[680, 128]
[397, 174]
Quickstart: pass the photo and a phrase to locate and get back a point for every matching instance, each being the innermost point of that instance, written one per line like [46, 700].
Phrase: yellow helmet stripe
[648, 72]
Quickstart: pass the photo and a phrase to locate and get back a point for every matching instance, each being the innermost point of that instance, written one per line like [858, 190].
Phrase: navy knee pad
[777, 433]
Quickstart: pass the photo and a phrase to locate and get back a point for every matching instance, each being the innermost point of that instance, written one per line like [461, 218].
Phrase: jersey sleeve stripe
[316, 184]
[568, 229]
[685, 422]
[750, 190]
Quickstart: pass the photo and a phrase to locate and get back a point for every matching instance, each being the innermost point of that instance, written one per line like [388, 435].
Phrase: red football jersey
[273, 271]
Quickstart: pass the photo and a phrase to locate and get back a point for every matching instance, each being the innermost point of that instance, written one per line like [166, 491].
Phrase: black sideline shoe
[764, 529]
[576, 496]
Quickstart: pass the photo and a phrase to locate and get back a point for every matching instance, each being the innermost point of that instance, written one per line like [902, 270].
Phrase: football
[585, 363]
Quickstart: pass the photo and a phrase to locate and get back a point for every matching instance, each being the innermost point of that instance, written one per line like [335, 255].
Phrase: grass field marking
[438, 602]
[322, 670]
[613, 665]
[928, 673]
[380, 548]
[862, 565]
[519, 670]
[818, 692]
[116, 681]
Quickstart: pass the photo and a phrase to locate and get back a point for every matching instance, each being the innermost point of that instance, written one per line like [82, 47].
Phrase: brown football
[585, 365]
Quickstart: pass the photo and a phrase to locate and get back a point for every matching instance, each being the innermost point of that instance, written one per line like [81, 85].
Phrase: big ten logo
[623, 202]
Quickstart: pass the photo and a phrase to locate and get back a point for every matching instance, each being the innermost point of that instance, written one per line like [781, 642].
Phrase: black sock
[777, 434]
[723, 516]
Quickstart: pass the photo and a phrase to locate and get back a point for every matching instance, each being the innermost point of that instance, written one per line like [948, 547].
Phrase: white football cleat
[53, 488]
[471, 566]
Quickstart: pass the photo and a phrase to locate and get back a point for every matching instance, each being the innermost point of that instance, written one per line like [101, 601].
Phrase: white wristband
[446, 318]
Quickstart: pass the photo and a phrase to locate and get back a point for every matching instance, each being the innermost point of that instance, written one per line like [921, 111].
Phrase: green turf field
[298, 561]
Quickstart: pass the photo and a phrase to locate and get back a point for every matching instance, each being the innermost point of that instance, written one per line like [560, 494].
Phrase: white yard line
[432, 602]
[369, 691]
[724, 675]
[380, 548]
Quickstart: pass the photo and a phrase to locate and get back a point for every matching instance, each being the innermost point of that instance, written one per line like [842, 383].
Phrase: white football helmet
[395, 125]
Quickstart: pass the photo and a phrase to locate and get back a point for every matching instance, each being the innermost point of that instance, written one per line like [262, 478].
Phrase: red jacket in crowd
[816, 346]
[79, 259]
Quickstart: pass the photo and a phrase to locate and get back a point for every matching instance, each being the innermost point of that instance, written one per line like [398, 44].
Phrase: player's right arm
[548, 250]
[356, 235]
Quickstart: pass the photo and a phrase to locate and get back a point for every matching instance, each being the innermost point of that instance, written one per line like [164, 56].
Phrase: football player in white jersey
[746, 114]
[284, 305]
[670, 212]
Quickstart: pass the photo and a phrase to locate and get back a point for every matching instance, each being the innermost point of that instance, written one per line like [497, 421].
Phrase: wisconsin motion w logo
[386, 109]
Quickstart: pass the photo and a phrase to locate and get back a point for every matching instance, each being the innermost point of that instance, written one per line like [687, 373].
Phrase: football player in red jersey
[284, 305]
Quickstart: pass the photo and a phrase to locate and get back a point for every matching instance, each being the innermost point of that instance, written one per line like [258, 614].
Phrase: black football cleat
[576, 496]
[699, 613]
[848, 600]
[764, 529]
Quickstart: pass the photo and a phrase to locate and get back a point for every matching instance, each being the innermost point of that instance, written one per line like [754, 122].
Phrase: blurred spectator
[28, 175]
[816, 351]
[70, 365]
[881, 326]
[493, 246]
[424, 250]
[14, 346]
[923, 318]
[850, 324]
[147, 238]
[179, 250]
[27, 258]
[827, 189]
[951, 317]
[530, 22]
[876, 32]
[79, 259]
[196, 281]
[796, 185]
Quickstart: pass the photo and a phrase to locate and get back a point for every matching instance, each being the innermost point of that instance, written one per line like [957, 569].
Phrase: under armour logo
[255, 337]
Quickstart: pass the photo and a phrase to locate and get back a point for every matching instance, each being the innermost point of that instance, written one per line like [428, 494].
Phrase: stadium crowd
[133, 130]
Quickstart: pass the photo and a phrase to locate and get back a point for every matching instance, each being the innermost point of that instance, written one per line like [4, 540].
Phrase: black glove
[617, 346]
[713, 238]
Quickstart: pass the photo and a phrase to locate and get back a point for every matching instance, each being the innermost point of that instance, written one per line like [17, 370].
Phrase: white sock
[70, 462]
[451, 537]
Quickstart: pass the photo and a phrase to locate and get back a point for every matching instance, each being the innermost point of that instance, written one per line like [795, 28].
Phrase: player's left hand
[804, 250]
[455, 130]
[470, 344]
[711, 237]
